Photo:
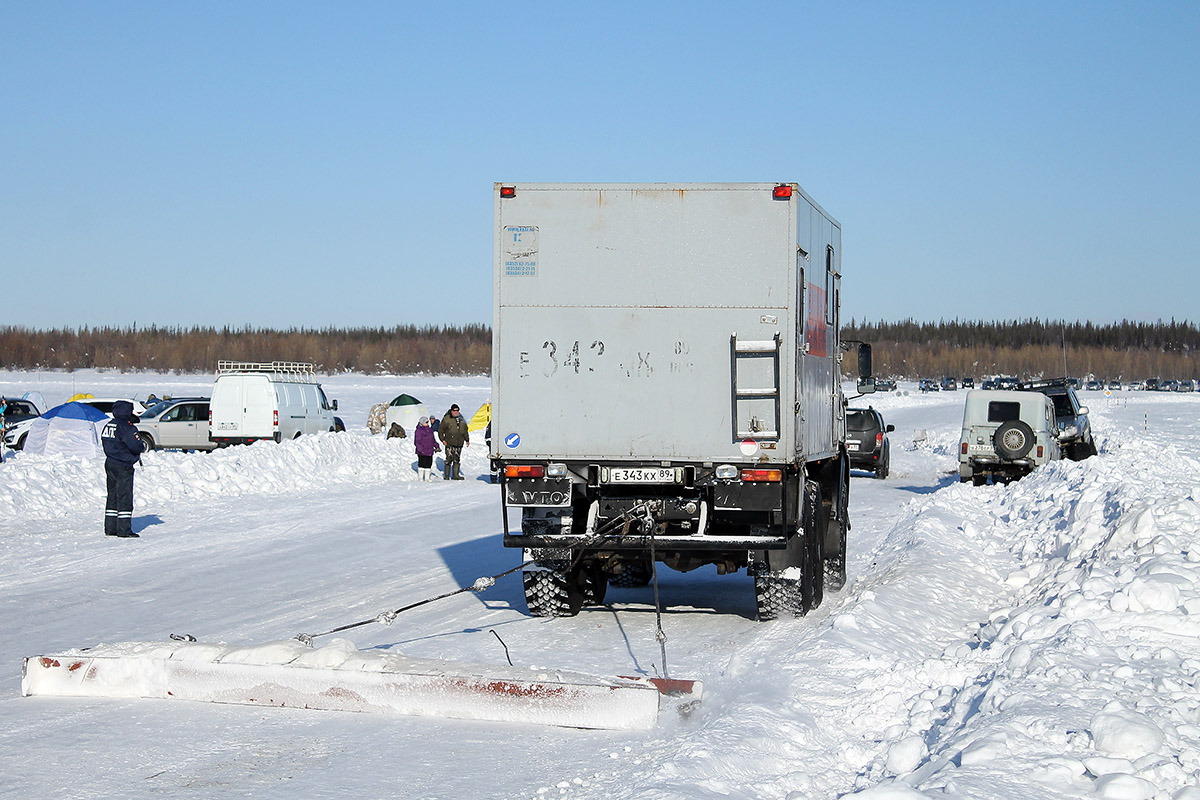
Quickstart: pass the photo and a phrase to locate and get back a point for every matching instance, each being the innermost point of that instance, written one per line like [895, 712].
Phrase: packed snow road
[1036, 639]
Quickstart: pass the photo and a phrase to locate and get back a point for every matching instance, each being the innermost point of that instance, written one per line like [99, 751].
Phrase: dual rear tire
[551, 592]
[798, 589]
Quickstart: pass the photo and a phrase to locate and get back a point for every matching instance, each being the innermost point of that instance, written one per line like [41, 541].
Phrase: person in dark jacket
[455, 436]
[426, 445]
[122, 449]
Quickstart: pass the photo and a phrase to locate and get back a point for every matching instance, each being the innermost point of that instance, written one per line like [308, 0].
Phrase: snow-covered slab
[340, 678]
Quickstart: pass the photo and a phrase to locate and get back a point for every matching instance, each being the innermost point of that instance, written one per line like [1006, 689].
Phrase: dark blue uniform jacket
[120, 439]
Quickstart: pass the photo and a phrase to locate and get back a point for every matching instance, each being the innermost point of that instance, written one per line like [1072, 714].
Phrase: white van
[277, 400]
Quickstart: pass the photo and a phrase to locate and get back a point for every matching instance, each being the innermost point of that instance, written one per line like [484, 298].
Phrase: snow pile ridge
[1103, 603]
[54, 486]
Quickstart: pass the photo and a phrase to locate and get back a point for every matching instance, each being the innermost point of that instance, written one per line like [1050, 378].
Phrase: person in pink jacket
[426, 444]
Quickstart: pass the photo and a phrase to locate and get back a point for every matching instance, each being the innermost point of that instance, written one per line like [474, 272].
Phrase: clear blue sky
[309, 164]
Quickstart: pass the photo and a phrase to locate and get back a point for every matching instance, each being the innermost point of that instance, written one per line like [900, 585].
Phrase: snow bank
[48, 487]
[1085, 678]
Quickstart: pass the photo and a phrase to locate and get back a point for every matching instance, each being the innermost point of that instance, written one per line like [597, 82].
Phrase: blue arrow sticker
[512, 441]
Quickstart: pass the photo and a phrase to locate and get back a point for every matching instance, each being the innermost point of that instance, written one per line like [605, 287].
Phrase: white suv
[1006, 434]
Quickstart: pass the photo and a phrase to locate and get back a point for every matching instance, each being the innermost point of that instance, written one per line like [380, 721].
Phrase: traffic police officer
[122, 449]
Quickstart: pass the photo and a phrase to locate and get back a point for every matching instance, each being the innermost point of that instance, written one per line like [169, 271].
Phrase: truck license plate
[227, 426]
[641, 475]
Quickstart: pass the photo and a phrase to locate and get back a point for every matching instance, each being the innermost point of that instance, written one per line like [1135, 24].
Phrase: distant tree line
[910, 349]
[1030, 347]
[403, 349]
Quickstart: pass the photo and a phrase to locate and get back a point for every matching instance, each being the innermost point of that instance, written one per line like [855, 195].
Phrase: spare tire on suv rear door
[1013, 439]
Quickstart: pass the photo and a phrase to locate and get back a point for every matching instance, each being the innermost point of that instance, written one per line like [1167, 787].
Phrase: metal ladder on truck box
[743, 353]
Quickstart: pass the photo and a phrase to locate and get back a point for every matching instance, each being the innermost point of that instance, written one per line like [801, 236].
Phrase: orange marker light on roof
[783, 192]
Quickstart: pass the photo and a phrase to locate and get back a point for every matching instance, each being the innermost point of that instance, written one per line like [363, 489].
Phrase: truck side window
[830, 287]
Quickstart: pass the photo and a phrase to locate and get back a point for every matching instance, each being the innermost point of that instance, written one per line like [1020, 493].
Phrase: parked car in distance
[1137, 386]
[19, 415]
[1007, 382]
[1169, 385]
[1186, 386]
[105, 404]
[968, 383]
[885, 385]
[1071, 417]
[179, 423]
[1006, 435]
[1114, 386]
[867, 441]
[927, 385]
[1094, 386]
[949, 384]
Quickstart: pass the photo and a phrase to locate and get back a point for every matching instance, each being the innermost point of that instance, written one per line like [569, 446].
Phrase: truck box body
[666, 387]
[618, 310]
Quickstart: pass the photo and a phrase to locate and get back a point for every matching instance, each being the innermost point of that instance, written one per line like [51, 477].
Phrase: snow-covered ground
[1040, 639]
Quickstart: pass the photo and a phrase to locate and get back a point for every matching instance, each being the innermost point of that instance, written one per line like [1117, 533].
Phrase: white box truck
[272, 400]
[666, 388]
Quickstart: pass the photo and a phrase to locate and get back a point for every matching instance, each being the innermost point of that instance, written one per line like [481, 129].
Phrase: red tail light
[524, 471]
[508, 191]
[276, 420]
[762, 475]
[879, 440]
[964, 448]
[782, 192]
[1040, 451]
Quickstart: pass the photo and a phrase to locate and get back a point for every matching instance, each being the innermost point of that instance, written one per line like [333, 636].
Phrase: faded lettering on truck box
[520, 251]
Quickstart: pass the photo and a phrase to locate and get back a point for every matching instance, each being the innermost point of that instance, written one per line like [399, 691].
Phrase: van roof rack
[278, 367]
[1040, 383]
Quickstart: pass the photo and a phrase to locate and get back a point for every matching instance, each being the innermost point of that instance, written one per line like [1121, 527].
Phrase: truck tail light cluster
[782, 192]
[762, 475]
[524, 471]
[276, 415]
[964, 448]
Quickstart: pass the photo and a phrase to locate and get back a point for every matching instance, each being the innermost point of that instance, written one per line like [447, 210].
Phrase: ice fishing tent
[72, 428]
[407, 410]
[481, 419]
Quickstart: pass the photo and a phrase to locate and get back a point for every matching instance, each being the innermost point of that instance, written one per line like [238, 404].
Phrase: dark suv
[1070, 415]
[867, 441]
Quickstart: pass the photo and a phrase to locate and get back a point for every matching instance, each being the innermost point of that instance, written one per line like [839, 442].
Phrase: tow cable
[480, 584]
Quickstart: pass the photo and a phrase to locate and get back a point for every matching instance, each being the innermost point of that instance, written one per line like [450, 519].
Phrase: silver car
[180, 423]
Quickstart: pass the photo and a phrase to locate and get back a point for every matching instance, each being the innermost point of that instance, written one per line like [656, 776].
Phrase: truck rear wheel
[816, 525]
[548, 593]
[835, 539]
[776, 597]
[633, 574]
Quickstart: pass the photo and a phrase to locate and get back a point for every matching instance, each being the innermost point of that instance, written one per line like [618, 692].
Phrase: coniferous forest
[1028, 348]
[906, 349]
